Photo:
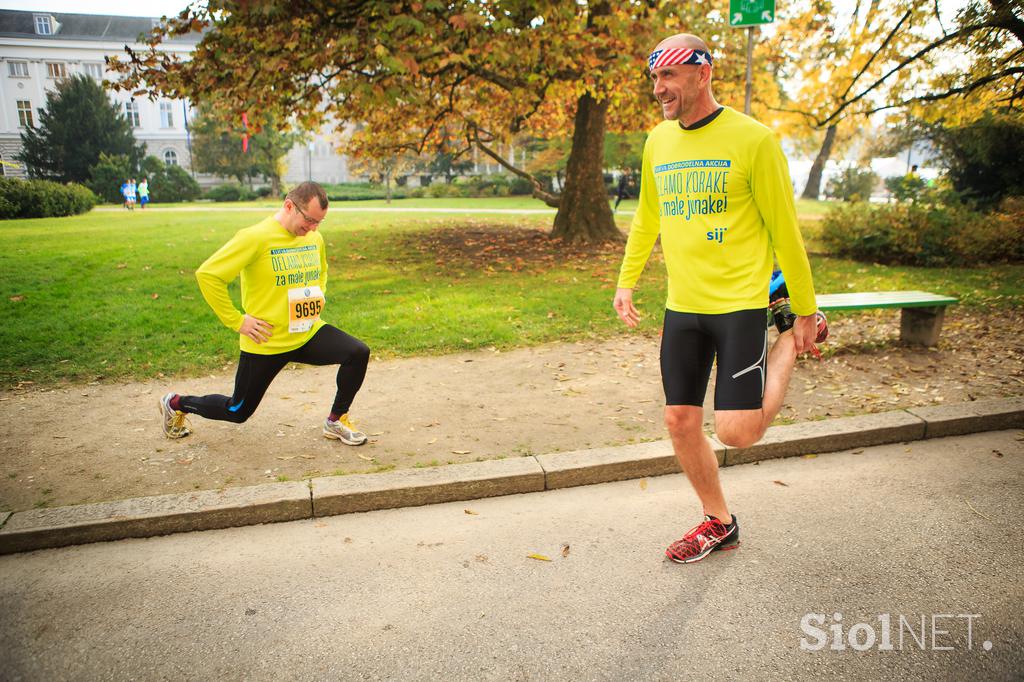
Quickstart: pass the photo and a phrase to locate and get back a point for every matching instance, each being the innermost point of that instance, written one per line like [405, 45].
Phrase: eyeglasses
[309, 220]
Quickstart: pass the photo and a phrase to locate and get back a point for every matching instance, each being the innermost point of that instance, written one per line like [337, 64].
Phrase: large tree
[909, 57]
[78, 124]
[422, 74]
[217, 148]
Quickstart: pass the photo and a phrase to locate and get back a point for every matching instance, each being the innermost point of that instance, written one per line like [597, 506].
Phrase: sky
[149, 8]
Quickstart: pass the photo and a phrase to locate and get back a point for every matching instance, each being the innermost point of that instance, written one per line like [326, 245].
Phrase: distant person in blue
[128, 190]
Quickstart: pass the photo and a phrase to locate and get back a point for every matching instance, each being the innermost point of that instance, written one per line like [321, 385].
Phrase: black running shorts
[691, 341]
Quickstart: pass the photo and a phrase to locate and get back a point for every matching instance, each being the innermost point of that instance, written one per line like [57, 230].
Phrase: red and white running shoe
[706, 537]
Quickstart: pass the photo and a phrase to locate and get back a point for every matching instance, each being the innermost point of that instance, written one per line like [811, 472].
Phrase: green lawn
[111, 295]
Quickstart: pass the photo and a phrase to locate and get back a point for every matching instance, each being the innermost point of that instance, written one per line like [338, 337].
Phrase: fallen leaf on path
[538, 557]
[565, 550]
[643, 484]
[368, 459]
[785, 485]
[471, 512]
[809, 456]
[460, 452]
[287, 456]
[431, 441]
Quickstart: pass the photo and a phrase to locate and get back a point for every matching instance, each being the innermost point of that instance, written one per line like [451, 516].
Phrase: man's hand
[805, 329]
[256, 329]
[623, 304]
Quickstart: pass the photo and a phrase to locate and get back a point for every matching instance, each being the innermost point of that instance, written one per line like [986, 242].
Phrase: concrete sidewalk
[923, 535]
[327, 496]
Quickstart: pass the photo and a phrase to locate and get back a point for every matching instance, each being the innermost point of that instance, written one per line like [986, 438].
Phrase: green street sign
[751, 12]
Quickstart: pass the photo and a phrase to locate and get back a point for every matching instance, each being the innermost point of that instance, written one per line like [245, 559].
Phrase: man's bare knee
[739, 434]
[683, 421]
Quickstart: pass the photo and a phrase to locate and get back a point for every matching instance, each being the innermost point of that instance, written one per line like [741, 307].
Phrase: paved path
[437, 593]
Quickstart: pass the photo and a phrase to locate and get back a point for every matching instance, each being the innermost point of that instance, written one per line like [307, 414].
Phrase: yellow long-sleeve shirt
[721, 199]
[281, 274]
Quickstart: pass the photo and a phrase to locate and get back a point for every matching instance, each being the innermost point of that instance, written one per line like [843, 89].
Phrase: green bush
[983, 158]
[107, 176]
[43, 199]
[906, 187]
[925, 234]
[361, 191]
[853, 184]
[232, 191]
[171, 184]
[520, 187]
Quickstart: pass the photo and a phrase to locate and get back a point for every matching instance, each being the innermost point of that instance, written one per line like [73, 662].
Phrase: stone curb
[603, 465]
[274, 502]
[955, 420]
[416, 487]
[158, 515]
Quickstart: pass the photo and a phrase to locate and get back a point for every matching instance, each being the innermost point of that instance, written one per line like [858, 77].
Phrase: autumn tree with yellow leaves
[423, 75]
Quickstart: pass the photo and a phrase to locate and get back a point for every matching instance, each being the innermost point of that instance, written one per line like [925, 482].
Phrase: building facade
[37, 49]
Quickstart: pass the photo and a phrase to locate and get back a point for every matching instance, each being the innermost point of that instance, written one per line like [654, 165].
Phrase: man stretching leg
[716, 187]
[283, 266]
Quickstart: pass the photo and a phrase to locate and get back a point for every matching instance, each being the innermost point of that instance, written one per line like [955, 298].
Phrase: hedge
[43, 199]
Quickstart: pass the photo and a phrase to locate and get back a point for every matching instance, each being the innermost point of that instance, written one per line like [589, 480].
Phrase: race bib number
[304, 307]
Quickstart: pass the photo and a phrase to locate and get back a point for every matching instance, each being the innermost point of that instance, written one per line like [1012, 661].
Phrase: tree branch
[970, 87]
[552, 200]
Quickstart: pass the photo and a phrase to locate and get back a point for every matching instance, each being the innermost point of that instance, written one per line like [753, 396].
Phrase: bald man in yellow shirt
[715, 187]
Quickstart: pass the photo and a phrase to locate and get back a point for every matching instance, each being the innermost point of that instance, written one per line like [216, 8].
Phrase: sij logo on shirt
[717, 235]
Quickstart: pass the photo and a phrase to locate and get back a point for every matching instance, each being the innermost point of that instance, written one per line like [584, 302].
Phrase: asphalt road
[439, 593]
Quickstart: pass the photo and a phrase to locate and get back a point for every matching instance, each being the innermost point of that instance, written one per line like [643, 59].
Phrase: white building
[39, 48]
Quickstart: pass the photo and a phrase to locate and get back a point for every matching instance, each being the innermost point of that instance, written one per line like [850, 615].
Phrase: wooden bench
[921, 317]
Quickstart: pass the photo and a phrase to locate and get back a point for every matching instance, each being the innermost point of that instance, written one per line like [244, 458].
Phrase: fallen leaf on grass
[784, 485]
[538, 557]
[17, 298]
[155, 296]
[471, 512]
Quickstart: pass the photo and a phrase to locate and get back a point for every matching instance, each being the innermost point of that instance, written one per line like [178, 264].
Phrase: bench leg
[921, 325]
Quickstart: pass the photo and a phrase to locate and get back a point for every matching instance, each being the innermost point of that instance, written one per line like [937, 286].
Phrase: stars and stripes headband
[669, 57]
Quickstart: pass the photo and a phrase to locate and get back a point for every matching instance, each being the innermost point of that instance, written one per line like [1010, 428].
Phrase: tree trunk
[387, 185]
[584, 214]
[813, 187]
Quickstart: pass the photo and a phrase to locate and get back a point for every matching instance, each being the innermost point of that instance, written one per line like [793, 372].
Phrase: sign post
[750, 13]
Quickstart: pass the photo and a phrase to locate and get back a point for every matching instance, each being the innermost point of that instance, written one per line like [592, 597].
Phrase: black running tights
[329, 346]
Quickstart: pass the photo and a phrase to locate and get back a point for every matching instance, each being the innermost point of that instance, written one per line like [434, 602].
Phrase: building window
[17, 69]
[24, 113]
[44, 25]
[171, 157]
[166, 115]
[131, 112]
[94, 70]
[56, 70]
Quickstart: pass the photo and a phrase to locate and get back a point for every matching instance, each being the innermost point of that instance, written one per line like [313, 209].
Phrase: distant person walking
[283, 267]
[625, 182]
[143, 193]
